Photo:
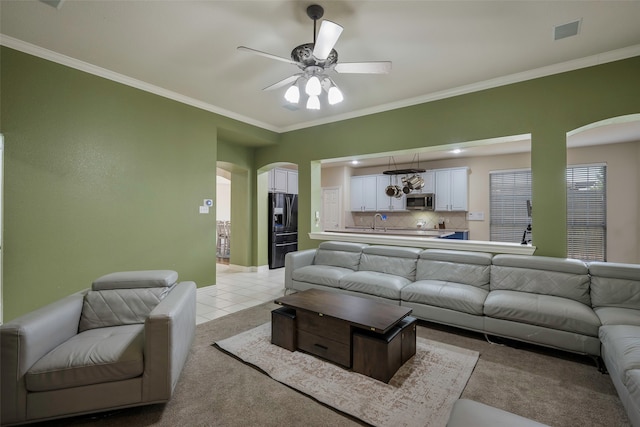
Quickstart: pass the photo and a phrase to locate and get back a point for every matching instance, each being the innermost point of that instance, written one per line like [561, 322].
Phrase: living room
[102, 175]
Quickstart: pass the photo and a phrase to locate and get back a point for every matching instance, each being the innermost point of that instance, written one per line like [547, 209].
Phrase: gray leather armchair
[123, 343]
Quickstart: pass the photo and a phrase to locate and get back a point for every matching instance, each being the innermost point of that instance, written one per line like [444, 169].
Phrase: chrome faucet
[382, 217]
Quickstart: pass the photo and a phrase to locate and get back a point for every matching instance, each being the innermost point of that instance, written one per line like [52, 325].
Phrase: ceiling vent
[53, 3]
[566, 30]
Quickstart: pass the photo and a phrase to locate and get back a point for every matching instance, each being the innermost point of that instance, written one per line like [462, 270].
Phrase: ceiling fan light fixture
[292, 94]
[334, 96]
[313, 103]
[313, 86]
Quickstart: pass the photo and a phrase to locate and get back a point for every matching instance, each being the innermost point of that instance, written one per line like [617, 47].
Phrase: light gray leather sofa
[123, 343]
[591, 309]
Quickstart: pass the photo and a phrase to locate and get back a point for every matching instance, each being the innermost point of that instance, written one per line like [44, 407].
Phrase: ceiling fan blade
[283, 82]
[381, 67]
[266, 55]
[327, 38]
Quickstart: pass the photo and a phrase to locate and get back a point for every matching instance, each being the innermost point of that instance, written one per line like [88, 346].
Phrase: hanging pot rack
[397, 171]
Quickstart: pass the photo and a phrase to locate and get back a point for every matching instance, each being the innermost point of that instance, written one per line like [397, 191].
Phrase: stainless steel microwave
[421, 202]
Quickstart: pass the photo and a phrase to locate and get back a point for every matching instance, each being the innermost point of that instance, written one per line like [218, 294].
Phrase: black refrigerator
[283, 227]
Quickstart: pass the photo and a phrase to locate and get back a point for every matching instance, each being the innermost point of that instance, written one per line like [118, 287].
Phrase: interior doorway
[223, 217]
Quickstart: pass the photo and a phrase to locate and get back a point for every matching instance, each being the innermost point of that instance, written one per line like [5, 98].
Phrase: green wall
[547, 108]
[102, 177]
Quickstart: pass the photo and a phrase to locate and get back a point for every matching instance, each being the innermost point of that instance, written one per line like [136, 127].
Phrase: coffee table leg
[283, 328]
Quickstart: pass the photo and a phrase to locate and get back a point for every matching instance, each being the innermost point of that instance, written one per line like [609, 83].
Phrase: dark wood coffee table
[371, 337]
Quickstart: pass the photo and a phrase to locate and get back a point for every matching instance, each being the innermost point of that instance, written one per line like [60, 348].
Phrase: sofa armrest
[26, 340]
[169, 332]
[295, 260]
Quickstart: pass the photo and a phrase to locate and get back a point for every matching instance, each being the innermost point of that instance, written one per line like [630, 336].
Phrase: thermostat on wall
[208, 202]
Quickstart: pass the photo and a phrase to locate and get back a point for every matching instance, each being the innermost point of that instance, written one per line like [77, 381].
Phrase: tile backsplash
[452, 220]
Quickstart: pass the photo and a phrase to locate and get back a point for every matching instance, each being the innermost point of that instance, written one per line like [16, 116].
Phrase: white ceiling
[187, 49]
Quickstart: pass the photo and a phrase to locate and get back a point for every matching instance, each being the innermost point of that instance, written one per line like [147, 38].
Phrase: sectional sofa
[591, 309]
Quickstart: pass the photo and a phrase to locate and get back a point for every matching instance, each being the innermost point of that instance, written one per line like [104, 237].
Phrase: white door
[331, 208]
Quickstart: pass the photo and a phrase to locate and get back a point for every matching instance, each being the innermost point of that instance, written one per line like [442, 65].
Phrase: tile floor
[236, 290]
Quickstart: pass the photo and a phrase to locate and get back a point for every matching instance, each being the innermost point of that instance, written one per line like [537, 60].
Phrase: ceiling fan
[317, 60]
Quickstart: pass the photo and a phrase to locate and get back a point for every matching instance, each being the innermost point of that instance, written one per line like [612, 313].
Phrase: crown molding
[68, 61]
[611, 56]
[603, 58]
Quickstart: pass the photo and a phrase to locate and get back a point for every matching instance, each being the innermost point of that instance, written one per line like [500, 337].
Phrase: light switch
[475, 216]
[204, 209]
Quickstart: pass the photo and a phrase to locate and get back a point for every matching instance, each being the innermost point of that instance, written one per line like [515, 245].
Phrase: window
[586, 209]
[587, 212]
[509, 192]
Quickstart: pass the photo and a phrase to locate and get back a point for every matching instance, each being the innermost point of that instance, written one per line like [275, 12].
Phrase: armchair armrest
[26, 340]
[295, 260]
[169, 332]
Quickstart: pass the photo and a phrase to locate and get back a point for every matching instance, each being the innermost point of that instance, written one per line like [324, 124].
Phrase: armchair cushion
[91, 357]
[135, 279]
[115, 307]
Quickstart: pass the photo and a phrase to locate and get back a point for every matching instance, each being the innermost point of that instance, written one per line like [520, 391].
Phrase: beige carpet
[421, 393]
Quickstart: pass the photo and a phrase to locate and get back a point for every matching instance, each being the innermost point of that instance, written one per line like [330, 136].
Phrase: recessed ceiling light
[354, 162]
[456, 151]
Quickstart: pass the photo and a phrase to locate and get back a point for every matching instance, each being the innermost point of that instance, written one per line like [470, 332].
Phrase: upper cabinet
[384, 202]
[363, 193]
[451, 189]
[428, 187]
[283, 181]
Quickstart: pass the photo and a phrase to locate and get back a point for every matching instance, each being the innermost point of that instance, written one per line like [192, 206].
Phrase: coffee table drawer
[324, 326]
[325, 348]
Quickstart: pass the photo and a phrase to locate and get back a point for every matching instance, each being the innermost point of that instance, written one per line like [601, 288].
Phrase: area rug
[421, 393]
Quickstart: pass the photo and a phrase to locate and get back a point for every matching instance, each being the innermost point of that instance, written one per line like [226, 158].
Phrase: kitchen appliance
[421, 202]
[283, 227]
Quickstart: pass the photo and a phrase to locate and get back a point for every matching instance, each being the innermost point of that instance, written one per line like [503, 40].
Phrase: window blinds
[509, 192]
[587, 212]
[586, 209]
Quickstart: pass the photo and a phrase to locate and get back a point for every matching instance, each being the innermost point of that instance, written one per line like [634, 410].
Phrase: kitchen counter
[414, 239]
[418, 232]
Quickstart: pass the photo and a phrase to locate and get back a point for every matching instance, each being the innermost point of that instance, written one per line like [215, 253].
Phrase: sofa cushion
[326, 275]
[622, 344]
[618, 316]
[135, 279]
[339, 254]
[91, 357]
[615, 285]
[566, 278]
[542, 310]
[374, 283]
[393, 260]
[115, 307]
[450, 295]
[467, 413]
[469, 268]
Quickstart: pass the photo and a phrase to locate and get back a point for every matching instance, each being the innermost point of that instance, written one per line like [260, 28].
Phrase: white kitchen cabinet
[292, 182]
[451, 189]
[283, 181]
[384, 202]
[363, 193]
[429, 179]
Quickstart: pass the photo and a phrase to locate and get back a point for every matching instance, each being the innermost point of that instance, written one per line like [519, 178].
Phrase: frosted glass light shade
[313, 103]
[334, 95]
[313, 86]
[292, 94]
